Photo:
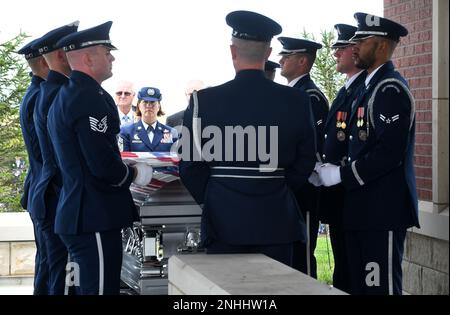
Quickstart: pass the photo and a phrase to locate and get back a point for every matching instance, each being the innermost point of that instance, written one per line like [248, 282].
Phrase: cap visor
[341, 45]
[360, 37]
[110, 46]
[150, 99]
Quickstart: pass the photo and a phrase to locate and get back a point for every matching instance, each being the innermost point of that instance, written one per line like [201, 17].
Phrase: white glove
[329, 174]
[317, 166]
[144, 174]
[315, 179]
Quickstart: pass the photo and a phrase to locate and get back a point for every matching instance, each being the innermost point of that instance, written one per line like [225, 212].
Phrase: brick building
[422, 58]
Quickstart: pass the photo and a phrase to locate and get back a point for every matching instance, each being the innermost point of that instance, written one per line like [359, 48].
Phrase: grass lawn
[325, 261]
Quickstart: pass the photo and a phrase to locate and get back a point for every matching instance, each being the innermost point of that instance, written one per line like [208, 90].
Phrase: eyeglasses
[119, 93]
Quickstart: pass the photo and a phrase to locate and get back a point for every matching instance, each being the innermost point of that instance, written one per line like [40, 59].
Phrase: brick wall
[413, 58]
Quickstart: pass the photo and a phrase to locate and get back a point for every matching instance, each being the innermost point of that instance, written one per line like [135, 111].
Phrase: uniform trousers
[96, 261]
[41, 274]
[340, 272]
[375, 261]
[303, 256]
[57, 254]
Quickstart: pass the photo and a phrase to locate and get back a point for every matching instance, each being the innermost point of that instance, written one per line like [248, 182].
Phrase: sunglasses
[124, 93]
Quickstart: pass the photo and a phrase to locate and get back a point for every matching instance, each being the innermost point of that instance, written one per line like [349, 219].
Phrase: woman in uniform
[148, 134]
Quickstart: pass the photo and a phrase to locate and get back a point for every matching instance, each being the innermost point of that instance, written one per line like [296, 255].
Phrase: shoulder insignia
[389, 120]
[391, 83]
[99, 126]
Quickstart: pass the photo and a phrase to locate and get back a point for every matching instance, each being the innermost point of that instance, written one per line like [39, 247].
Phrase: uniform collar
[384, 67]
[36, 79]
[84, 79]
[352, 79]
[294, 82]
[146, 125]
[130, 114]
[250, 73]
[56, 77]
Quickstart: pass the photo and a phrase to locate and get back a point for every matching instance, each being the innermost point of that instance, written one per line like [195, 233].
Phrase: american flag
[165, 170]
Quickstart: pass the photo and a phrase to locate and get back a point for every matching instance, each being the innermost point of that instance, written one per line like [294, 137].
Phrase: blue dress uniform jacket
[50, 180]
[31, 140]
[83, 124]
[31, 143]
[319, 105]
[135, 138]
[308, 195]
[379, 179]
[49, 184]
[335, 148]
[240, 206]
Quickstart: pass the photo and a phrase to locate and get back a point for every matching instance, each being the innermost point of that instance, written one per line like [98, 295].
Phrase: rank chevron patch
[389, 120]
[99, 126]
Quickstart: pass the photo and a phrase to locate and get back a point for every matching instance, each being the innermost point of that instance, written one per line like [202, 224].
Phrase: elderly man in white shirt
[124, 96]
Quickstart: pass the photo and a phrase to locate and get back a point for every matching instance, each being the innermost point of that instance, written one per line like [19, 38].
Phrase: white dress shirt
[151, 134]
[127, 119]
[294, 82]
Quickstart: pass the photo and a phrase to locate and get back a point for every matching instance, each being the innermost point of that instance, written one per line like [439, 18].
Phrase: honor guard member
[148, 134]
[335, 148]
[49, 184]
[247, 198]
[95, 201]
[380, 200]
[270, 69]
[39, 69]
[297, 59]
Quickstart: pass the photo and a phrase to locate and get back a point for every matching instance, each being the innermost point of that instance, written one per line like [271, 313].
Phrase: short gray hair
[251, 51]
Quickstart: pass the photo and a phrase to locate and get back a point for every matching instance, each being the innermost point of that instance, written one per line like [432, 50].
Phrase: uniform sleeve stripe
[196, 132]
[125, 178]
[355, 173]
[404, 87]
[317, 94]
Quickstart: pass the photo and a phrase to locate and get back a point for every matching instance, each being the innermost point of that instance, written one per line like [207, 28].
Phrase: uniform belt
[247, 172]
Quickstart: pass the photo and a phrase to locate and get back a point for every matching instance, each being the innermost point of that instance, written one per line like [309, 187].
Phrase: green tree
[324, 71]
[14, 80]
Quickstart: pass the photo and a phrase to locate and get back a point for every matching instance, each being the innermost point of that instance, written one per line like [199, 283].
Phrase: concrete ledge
[17, 247]
[16, 226]
[432, 224]
[239, 274]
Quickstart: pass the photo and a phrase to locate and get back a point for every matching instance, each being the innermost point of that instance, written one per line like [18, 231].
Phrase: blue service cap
[47, 43]
[271, 66]
[149, 94]
[28, 51]
[345, 32]
[249, 25]
[295, 45]
[97, 35]
[372, 25]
